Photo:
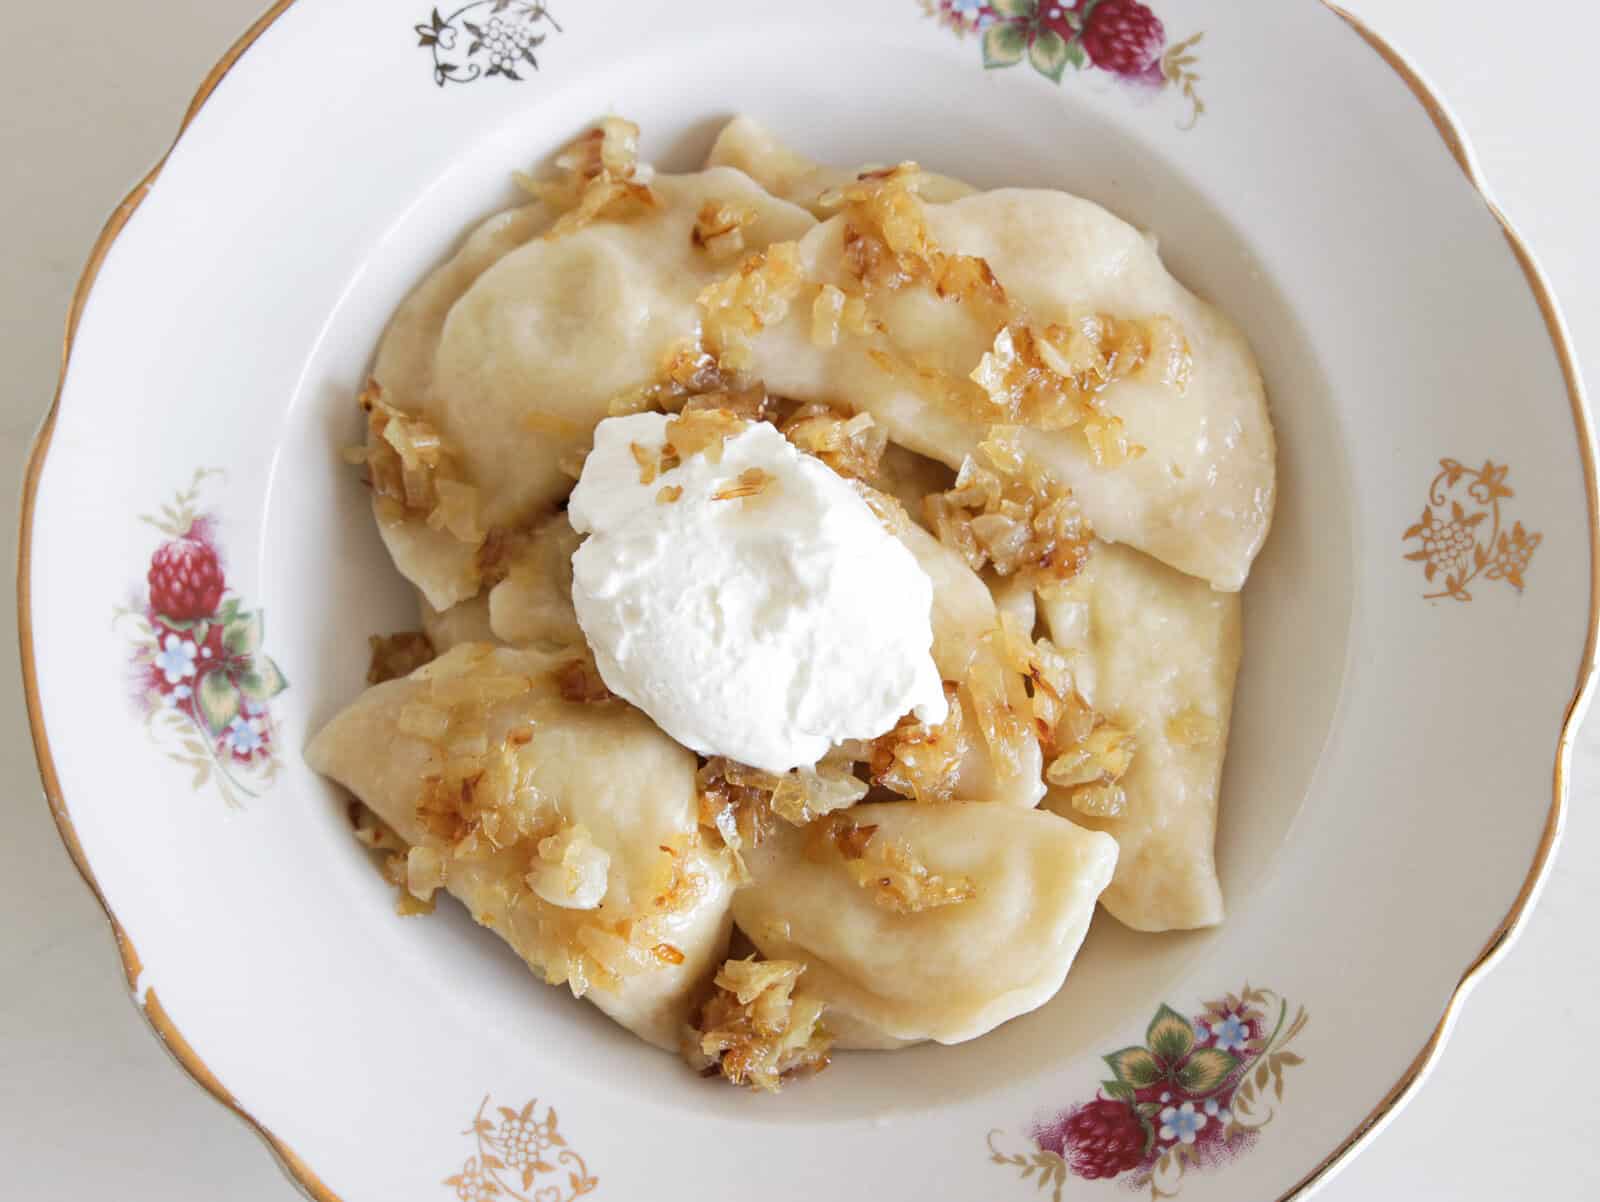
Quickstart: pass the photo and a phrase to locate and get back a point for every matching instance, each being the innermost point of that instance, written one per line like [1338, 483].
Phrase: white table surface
[91, 1107]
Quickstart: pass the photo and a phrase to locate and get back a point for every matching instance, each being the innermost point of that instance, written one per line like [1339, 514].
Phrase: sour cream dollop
[764, 627]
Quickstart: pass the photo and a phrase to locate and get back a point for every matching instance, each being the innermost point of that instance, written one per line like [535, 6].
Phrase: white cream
[765, 628]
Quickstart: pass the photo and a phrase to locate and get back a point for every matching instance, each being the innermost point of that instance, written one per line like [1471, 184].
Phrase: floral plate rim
[301, 1173]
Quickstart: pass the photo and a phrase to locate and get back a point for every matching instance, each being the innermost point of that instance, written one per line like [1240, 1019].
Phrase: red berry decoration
[1125, 38]
[1103, 1138]
[185, 580]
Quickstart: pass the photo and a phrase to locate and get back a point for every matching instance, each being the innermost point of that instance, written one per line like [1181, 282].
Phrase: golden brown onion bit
[888, 868]
[756, 1029]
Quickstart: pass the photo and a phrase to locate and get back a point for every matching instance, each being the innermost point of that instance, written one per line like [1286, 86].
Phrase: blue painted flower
[1181, 1123]
[242, 737]
[176, 658]
[1231, 1033]
[179, 695]
[1217, 1111]
[971, 13]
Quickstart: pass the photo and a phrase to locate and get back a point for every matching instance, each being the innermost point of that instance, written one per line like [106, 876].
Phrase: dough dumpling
[909, 477]
[532, 606]
[1199, 499]
[963, 614]
[443, 568]
[1156, 652]
[464, 622]
[553, 332]
[748, 145]
[950, 973]
[602, 767]
[514, 348]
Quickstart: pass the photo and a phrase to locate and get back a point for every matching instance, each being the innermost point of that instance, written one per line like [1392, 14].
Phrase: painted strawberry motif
[185, 580]
[1193, 1095]
[1102, 1139]
[1125, 38]
[198, 668]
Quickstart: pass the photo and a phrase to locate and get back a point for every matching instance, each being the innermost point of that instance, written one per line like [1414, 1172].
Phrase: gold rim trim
[297, 1169]
[150, 1005]
[1500, 938]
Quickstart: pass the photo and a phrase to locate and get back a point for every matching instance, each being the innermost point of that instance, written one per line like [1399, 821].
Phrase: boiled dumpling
[909, 477]
[748, 145]
[464, 622]
[572, 834]
[950, 972]
[532, 606]
[1156, 652]
[964, 615]
[1200, 498]
[532, 354]
[513, 350]
[441, 566]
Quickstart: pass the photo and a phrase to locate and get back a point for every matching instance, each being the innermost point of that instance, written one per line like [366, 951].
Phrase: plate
[1419, 632]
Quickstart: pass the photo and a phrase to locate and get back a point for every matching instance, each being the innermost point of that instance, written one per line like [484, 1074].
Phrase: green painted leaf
[1015, 8]
[1004, 45]
[261, 681]
[1119, 1090]
[1076, 56]
[219, 700]
[1147, 1109]
[228, 610]
[242, 635]
[1206, 1070]
[1135, 1066]
[1169, 1035]
[1048, 54]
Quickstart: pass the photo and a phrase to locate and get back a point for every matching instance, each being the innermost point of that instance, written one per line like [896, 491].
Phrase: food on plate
[747, 145]
[1159, 650]
[938, 920]
[848, 559]
[560, 817]
[743, 594]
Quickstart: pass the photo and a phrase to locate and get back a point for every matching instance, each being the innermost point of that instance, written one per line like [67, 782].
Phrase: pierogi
[747, 145]
[891, 976]
[1158, 651]
[1075, 450]
[405, 748]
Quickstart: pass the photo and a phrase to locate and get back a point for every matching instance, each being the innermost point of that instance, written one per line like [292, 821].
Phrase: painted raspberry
[1125, 38]
[1099, 1139]
[185, 580]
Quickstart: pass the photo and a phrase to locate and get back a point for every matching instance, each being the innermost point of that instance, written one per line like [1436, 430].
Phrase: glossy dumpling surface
[749, 146]
[1157, 652]
[950, 973]
[558, 328]
[605, 767]
[514, 348]
[1201, 496]
[964, 614]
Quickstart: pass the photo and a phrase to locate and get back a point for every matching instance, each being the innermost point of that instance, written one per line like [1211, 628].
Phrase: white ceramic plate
[1388, 803]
